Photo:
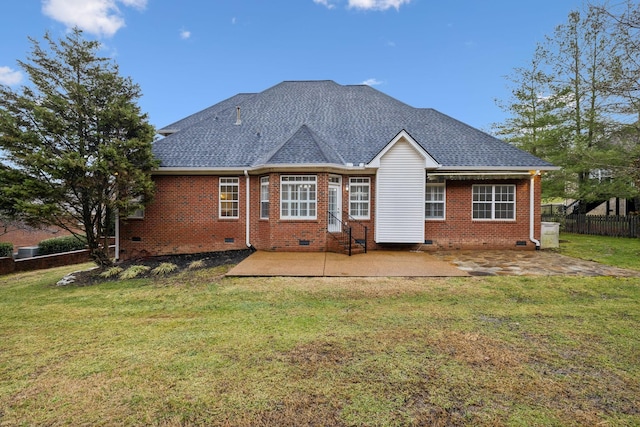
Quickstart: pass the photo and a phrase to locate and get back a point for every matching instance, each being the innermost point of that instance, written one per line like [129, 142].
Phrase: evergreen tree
[577, 94]
[76, 145]
[534, 125]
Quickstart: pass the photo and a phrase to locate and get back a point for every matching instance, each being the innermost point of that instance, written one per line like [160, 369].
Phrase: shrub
[196, 264]
[6, 249]
[111, 272]
[164, 269]
[134, 271]
[61, 244]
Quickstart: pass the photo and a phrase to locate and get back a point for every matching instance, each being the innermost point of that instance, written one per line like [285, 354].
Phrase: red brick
[184, 218]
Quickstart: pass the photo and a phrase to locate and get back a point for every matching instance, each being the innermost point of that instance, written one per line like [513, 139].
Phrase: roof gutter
[348, 167]
[532, 209]
[482, 172]
[257, 169]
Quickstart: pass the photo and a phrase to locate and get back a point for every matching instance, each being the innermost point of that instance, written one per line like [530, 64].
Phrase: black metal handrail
[364, 231]
[346, 236]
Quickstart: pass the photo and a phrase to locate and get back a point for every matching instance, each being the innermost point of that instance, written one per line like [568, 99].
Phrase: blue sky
[186, 55]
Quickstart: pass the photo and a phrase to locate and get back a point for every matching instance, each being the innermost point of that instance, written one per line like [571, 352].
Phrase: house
[292, 167]
[20, 234]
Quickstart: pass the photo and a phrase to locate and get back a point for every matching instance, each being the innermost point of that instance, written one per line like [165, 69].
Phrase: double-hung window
[359, 190]
[494, 202]
[229, 197]
[298, 197]
[434, 205]
[264, 197]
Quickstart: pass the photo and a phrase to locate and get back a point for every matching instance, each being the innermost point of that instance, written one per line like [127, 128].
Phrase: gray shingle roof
[309, 122]
[206, 114]
[304, 148]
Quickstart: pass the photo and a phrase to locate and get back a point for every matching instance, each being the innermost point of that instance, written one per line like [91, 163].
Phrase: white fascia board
[489, 169]
[284, 167]
[429, 161]
[197, 171]
[316, 167]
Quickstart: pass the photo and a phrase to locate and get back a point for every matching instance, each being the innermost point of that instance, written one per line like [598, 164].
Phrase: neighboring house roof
[322, 122]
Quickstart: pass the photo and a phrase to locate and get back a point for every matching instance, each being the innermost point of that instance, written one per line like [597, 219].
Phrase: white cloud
[138, 4]
[99, 17]
[185, 34]
[377, 4]
[365, 4]
[9, 77]
[233, 21]
[325, 3]
[372, 82]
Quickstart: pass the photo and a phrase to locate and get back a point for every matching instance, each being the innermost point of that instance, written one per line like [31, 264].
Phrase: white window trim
[264, 182]
[493, 203]
[300, 179]
[224, 181]
[360, 181]
[444, 201]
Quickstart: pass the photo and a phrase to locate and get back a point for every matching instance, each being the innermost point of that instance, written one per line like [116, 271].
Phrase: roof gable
[304, 147]
[429, 161]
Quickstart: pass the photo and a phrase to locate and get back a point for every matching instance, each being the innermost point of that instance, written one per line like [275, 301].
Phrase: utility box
[27, 252]
[550, 235]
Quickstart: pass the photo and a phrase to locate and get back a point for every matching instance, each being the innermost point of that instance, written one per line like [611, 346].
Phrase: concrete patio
[421, 264]
[371, 264]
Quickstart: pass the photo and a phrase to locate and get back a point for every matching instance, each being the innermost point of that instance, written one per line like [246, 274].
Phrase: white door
[334, 204]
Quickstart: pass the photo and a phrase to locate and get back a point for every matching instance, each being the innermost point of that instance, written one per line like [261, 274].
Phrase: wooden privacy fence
[600, 225]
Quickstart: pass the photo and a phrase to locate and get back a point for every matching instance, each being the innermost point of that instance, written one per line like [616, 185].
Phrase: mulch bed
[209, 260]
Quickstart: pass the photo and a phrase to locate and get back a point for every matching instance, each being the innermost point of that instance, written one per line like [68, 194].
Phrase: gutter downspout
[117, 225]
[248, 211]
[117, 254]
[532, 211]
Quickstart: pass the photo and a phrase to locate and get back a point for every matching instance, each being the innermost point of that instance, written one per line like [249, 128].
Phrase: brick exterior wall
[21, 235]
[293, 235]
[184, 218]
[460, 231]
[9, 265]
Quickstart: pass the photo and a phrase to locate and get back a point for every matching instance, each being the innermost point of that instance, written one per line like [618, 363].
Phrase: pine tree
[76, 145]
[572, 102]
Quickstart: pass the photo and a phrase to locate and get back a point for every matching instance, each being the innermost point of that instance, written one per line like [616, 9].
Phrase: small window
[298, 197]
[359, 190]
[494, 202]
[434, 206]
[264, 197]
[138, 213]
[229, 192]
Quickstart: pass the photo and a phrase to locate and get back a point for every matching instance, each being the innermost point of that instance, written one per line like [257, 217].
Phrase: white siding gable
[400, 188]
[428, 161]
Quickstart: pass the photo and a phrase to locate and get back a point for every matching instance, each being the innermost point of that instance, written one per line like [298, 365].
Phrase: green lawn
[617, 251]
[201, 349]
